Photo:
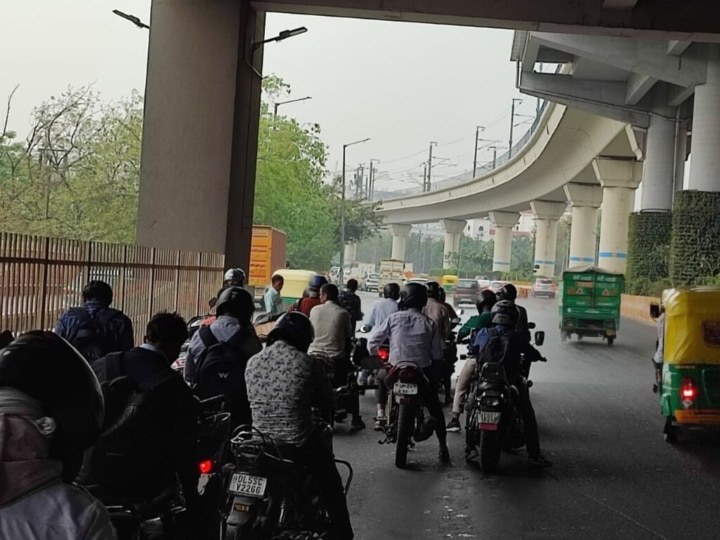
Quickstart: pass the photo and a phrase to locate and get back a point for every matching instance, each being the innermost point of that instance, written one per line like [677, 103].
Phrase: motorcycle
[450, 356]
[346, 395]
[269, 494]
[493, 421]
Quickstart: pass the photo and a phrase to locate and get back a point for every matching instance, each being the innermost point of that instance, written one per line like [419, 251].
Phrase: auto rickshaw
[296, 281]
[449, 282]
[690, 383]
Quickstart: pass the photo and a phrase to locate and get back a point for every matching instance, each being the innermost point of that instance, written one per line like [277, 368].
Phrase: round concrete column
[399, 234]
[350, 253]
[503, 223]
[658, 167]
[705, 167]
[453, 230]
[619, 179]
[546, 218]
[585, 200]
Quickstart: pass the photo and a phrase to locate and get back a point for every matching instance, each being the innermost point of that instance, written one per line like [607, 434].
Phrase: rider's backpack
[220, 368]
[92, 338]
[501, 348]
[127, 455]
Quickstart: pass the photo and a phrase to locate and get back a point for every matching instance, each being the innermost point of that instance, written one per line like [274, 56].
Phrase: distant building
[484, 230]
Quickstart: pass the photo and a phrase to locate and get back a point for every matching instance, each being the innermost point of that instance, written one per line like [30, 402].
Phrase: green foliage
[694, 249]
[649, 235]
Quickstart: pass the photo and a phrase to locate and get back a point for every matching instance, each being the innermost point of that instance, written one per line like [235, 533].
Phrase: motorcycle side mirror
[539, 338]
[365, 329]
[455, 321]
[460, 311]
[531, 326]
[212, 302]
[654, 310]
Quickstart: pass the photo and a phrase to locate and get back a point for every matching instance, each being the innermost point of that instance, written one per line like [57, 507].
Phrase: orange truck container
[267, 254]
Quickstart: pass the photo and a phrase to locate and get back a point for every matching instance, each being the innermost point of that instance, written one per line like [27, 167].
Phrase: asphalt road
[613, 476]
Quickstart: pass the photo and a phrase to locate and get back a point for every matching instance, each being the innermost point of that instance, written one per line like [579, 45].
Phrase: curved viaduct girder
[562, 148]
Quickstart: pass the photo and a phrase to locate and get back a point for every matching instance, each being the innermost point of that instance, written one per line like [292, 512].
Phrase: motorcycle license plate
[245, 484]
[487, 417]
[405, 389]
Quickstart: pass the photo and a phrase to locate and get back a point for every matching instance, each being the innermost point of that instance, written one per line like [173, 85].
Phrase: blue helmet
[317, 281]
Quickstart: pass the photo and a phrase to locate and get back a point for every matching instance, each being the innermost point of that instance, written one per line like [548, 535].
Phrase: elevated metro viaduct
[202, 101]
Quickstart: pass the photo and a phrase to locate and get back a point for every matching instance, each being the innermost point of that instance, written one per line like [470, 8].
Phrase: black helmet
[391, 290]
[433, 289]
[442, 295]
[237, 302]
[486, 298]
[504, 312]
[507, 292]
[98, 290]
[47, 368]
[294, 328]
[317, 281]
[236, 276]
[413, 295]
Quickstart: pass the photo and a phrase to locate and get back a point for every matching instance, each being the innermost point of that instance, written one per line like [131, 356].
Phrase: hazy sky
[403, 85]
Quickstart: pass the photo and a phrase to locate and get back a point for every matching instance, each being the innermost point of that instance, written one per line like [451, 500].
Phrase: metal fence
[41, 277]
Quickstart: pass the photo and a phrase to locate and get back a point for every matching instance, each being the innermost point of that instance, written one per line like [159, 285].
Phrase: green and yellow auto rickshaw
[690, 382]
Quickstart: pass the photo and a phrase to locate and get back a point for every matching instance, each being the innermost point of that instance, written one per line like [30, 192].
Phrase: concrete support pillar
[350, 254]
[705, 168]
[453, 230]
[503, 223]
[619, 179]
[585, 200]
[546, 218]
[399, 239]
[202, 107]
[658, 167]
[680, 158]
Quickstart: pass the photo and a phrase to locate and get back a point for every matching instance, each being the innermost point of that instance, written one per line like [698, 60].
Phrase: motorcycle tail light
[688, 390]
[490, 401]
[384, 354]
[206, 466]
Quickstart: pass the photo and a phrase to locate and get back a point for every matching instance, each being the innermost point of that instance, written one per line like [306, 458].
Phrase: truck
[391, 271]
[589, 303]
[267, 255]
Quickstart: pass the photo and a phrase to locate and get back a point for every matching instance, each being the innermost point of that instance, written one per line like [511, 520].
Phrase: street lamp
[281, 36]
[286, 102]
[132, 18]
[494, 149]
[342, 212]
[478, 129]
[512, 122]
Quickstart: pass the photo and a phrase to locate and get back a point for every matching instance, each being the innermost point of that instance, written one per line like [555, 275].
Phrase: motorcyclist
[484, 303]
[449, 347]
[351, 301]
[284, 383]
[436, 310]
[234, 307]
[305, 304]
[233, 277]
[414, 339]
[505, 321]
[333, 334]
[509, 292]
[51, 410]
[272, 299]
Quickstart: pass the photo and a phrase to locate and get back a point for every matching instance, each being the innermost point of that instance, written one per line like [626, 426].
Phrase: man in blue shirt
[385, 307]
[414, 339]
[272, 299]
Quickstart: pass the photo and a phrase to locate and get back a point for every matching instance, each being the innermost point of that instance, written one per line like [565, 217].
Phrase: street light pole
[477, 140]
[512, 124]
[342, 212]
[429, 167]
[277, 105]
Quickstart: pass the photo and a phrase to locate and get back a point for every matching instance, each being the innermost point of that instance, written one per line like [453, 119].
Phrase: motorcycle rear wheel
[404, 430]
[489, 450]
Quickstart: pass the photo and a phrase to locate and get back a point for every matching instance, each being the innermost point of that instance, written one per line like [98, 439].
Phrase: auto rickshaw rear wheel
[611, 340]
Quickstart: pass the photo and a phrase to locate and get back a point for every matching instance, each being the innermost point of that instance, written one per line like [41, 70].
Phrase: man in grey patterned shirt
[283, 385]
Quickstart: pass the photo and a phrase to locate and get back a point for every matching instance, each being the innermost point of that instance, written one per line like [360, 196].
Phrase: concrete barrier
[637, 307]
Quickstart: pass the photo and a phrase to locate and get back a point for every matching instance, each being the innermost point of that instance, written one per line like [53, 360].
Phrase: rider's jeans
[532, 438]
[431, 400]
[318, 458]
[381, 393]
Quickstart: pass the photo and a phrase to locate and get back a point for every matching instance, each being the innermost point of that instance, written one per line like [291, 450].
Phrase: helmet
[236, 276]
[317, 281]
[413, 295]
[505, 313]
[507, 292]
[237, 302]
[98, 290]
[485, 298]
[294, 328]
[433, 289]
[47, 368]
[442, 295]
[391, 290]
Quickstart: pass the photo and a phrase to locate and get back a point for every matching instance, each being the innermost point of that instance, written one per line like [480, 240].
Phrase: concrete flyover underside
[561, 151]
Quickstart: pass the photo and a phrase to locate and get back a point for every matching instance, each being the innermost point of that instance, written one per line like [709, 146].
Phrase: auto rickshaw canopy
[692, 325]
[296, 281]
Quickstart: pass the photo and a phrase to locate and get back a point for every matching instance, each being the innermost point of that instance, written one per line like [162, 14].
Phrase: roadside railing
[41, 277]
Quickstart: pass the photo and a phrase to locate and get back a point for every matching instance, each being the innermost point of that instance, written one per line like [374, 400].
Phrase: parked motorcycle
[271, 496]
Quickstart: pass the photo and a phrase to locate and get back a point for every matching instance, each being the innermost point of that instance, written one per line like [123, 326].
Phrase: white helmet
[236, 275]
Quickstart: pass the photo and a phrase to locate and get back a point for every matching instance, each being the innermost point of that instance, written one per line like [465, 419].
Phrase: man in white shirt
[333, 331]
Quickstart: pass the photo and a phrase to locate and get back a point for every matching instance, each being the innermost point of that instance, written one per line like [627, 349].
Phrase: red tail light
[384, 354]
[206, 466]
[688, 390]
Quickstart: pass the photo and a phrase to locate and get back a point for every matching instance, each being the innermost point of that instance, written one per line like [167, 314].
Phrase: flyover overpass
[202, 104]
